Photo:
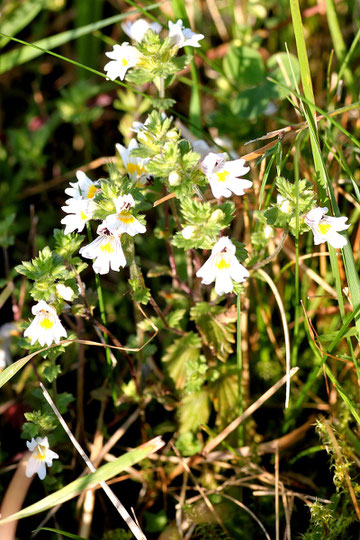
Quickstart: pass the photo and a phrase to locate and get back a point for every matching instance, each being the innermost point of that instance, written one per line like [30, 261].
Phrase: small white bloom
[123, 57]
[183, 37]
[188, 231]
[325, 228]
[107, 251]
[284, 205]
[40, 457]
[268, 232]
[65, 292]
[7, 330]
[174, 178]
[123, 221]
[84, 188]
[223, 267]
[134, 166]
[46, 326]
[138, 29]
[79, 212]
[224, 176]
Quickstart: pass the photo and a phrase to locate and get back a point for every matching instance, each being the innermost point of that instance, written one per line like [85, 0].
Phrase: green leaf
[216, 326]
[19, 17]
[244, 66]
[104, 473]
[193, 411]
[178, 354]
[224, 396]
[51, 372]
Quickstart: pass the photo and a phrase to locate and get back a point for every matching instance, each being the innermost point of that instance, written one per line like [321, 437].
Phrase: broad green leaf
[178, 354]
[26, 53]
[104, 473]
[216, 325]
[244, 66]
[224, 394]
[18, 18]
[193, 411]
[283, 67]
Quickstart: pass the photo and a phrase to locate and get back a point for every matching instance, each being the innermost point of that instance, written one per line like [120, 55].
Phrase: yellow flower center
[324, 228]
[222, 264]
[92, 191]
[222, 176]
[135, 167]
[83, 215]
[46, 323]
[124, 62]
[107, 248]
[40, 453]
[126, 217]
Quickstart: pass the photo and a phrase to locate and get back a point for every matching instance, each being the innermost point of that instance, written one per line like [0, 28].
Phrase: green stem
[239, 369]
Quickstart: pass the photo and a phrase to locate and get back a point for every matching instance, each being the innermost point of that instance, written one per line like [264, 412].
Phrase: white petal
[223, 283]
[31, 467]
[41, 470]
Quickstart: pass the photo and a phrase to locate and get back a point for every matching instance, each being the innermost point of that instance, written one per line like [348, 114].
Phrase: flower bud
[174, 178]
[217, 215]
[172, 134]
[65, 292]
[188, 231]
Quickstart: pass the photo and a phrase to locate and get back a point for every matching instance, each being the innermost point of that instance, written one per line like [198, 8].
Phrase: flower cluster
[125, 56]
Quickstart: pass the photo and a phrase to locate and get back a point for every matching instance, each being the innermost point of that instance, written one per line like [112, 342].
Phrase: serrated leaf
[194, 410]
[217, 335]
[178, 354]
[224, 396]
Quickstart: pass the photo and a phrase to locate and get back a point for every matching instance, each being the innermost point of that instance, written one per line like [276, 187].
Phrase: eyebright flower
[41, 456]
[183, 37]
[123, 57]
[138, 29]
[123, 221]
[46, 326]
[224, 176]
[84, 188]
[325, 228]
[134, 166]
[107, 251]
[223, 267]
[79, 212]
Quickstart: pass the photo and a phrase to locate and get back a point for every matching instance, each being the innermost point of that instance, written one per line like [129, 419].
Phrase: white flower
[284, 205]
[183, 37]
[79, 212]
[107, 251]
[123, 57]
[325, 228]
[134, 166]
[222, 267]
[41, 456]
[224, 176]
[65, 292]
[84, 188]
[188, 231]
[46, 326]
[123, 221]
[7, 330]
[138, 29]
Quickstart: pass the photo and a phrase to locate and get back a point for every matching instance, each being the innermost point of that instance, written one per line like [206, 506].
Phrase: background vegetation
[294, 472]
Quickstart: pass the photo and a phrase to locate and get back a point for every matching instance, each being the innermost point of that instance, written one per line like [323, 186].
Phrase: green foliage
[188, 444]
[6, 237]
[216, 327]
[179, 354]
[205, 223]
[193, 410]
[283, 215]
[141, 293]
